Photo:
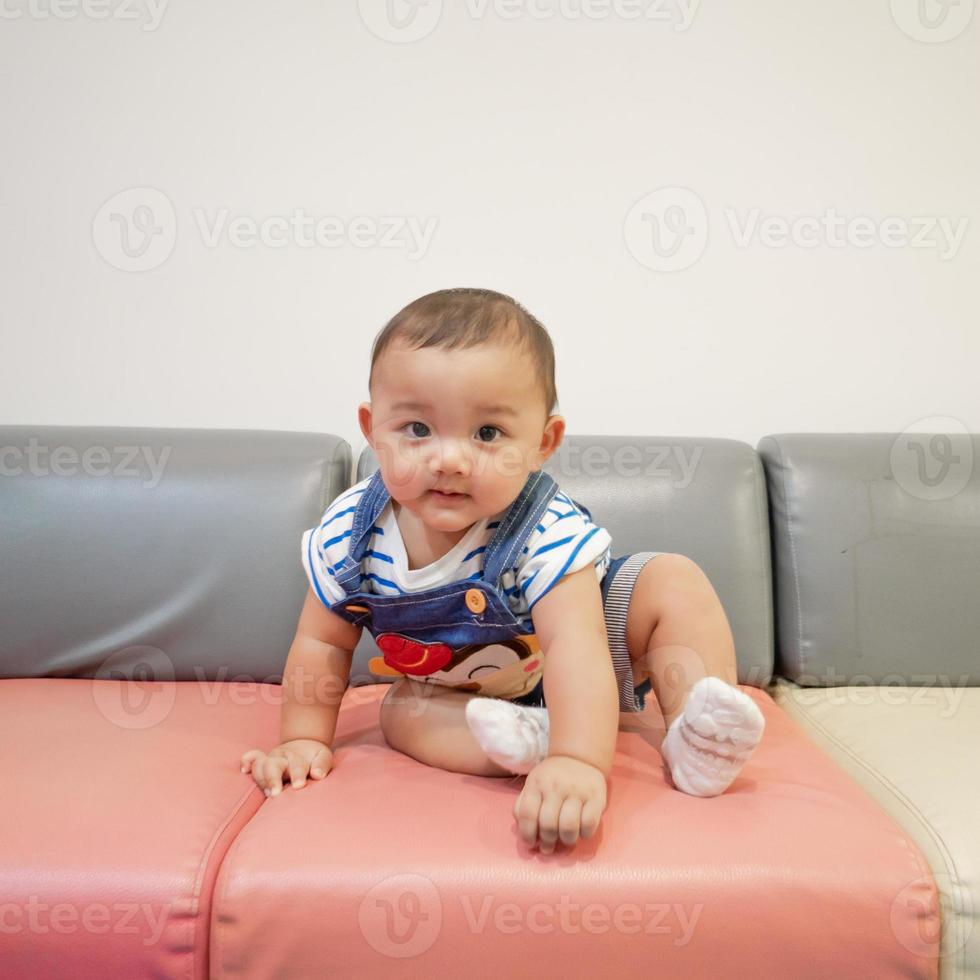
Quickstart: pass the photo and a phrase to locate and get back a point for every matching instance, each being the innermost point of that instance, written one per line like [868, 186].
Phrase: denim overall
[462, 634]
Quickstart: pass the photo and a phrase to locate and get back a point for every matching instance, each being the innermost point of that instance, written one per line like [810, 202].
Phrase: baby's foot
[712, 738]
[514, 736]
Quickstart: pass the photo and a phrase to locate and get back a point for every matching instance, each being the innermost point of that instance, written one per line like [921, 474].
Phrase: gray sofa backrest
[163, 553]
[704, 498]
[876, 544]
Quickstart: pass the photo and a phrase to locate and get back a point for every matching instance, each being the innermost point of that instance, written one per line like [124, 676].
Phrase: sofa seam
[792, 551]
[215, 837]
[762, 511]
[909, 806]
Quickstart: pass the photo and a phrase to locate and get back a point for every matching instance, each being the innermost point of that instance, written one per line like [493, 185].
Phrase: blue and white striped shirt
[564, 541]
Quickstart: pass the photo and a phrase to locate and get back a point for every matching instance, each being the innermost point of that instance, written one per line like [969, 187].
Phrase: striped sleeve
[564, 541]
[326, 544]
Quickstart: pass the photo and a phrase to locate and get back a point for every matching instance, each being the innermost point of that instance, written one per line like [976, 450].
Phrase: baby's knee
[399, 707]
[430, 726]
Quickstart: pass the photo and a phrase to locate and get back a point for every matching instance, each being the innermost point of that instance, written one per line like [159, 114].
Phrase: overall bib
[463, 635]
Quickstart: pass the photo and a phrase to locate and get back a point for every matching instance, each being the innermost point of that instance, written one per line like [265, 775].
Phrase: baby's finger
[274, 767]
[297, 771]
[322, 762]
[526, 813]
[249, 757]
[591, 814]
[570, 820]
[259, 773]
[548, 822]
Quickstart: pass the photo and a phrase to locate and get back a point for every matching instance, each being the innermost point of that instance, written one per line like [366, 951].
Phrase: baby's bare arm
[316, 675]
[317, 672]
[579, 679]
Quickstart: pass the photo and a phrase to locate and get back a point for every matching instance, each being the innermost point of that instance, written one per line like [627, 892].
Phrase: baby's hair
[464, 317]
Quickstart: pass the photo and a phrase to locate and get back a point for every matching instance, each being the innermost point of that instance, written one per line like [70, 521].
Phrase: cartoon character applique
[506, 669]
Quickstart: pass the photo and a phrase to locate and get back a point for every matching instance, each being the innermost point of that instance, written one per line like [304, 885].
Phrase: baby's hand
[298, 757]
[562, 797]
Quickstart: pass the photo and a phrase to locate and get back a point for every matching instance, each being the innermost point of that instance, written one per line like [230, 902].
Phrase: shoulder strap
[370, 505]
[516, 526]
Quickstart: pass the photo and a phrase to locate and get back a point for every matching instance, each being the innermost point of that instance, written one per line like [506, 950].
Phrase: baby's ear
[365, 420]
[554, 432]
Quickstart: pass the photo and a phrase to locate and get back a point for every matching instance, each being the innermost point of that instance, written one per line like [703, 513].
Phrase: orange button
[476, 600]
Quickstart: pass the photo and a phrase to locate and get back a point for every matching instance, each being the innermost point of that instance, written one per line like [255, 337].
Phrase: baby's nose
[452, 456]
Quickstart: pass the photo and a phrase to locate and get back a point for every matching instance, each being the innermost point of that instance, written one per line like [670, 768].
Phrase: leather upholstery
[876, 556]
[129, 824]
[171, 553]
[390, 868]
[876, 538]
[913, 749]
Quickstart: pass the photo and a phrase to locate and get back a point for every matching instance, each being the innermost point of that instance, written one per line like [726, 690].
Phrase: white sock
[712, 738]
[514, 736]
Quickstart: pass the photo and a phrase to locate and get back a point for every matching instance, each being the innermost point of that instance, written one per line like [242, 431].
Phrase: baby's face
[471, 421]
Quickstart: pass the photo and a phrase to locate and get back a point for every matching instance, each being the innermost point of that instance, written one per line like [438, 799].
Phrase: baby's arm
[317, 673]
[314, 680]
[579, 680]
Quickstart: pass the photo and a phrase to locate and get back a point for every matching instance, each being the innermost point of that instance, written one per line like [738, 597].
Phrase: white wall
[527, 141]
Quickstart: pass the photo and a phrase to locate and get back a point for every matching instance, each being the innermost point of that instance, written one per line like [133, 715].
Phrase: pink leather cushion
[392, 868]
[120, 803]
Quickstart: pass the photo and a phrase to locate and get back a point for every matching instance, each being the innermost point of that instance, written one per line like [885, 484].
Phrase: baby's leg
[676, 626]
[677, 631]
[428, 723]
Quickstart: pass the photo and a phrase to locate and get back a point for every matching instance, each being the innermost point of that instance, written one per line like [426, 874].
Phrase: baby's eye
[492, 428]
[410, 426]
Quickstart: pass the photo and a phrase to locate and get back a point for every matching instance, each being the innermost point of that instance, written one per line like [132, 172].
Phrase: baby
[486, 588]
